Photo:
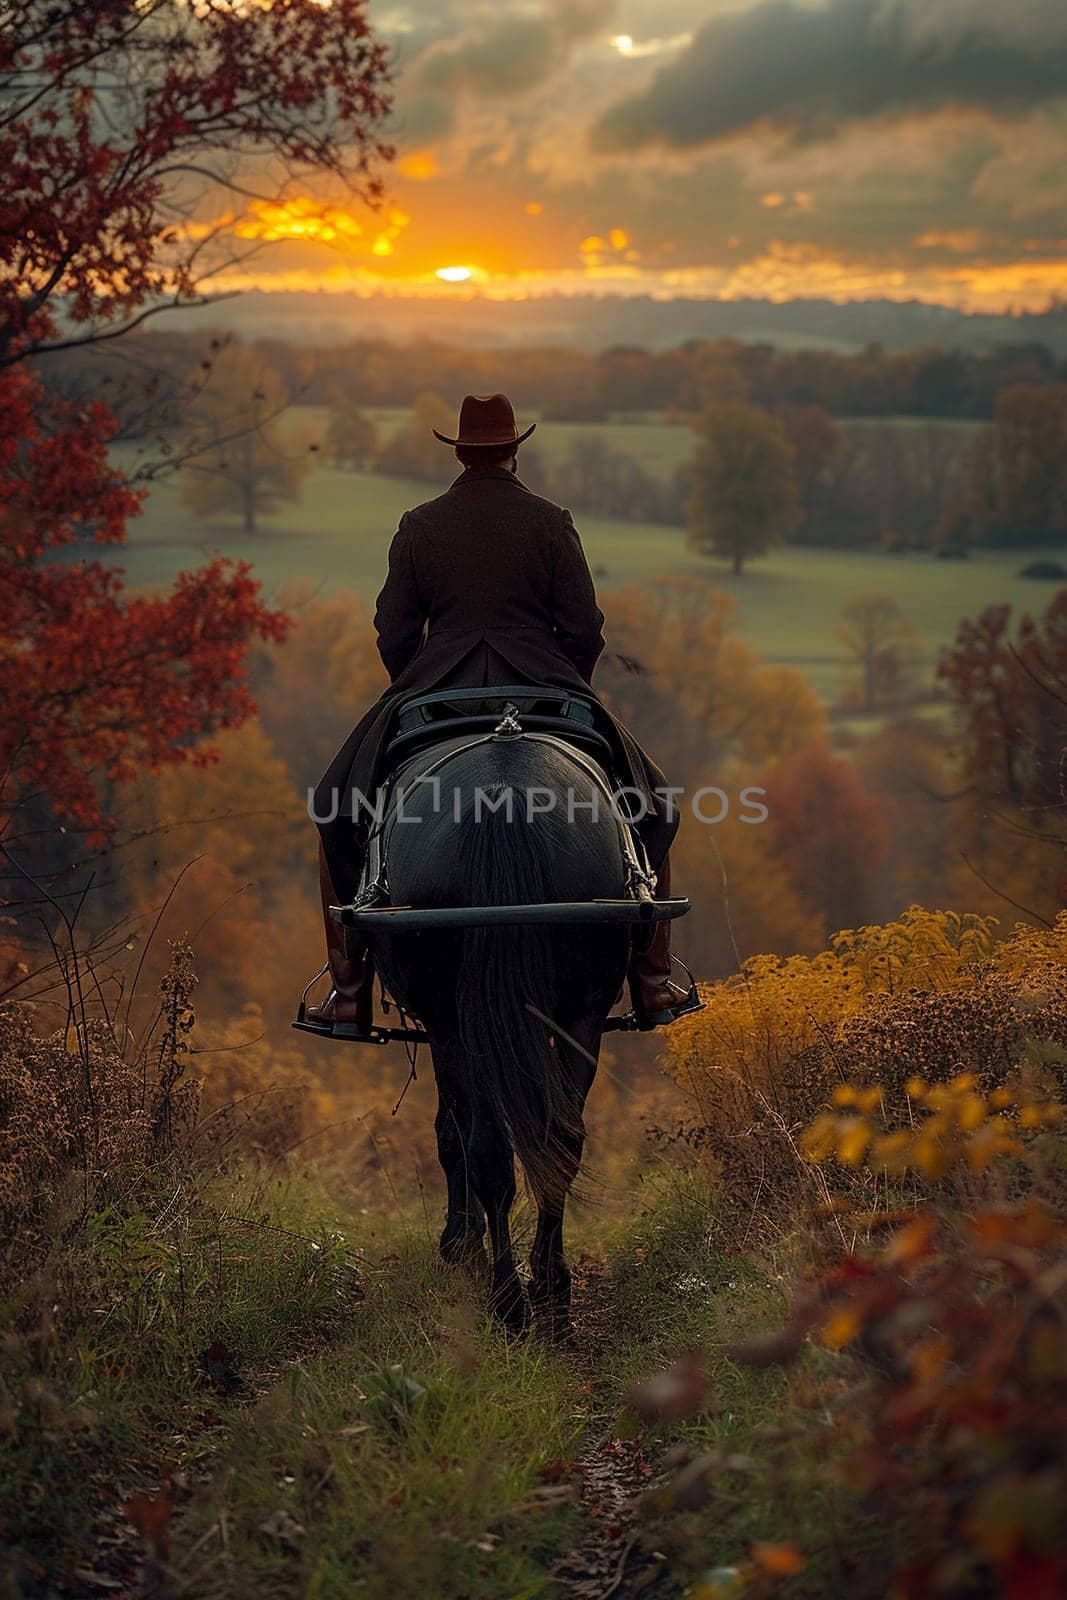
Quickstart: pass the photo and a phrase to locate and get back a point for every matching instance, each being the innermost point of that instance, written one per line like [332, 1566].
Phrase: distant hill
[594, 322]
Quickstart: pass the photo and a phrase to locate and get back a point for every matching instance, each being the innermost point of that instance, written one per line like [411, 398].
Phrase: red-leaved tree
[115, 117]
[1011, 694]
[829, 835]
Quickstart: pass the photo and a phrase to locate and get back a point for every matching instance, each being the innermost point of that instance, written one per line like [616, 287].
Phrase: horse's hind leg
[550, 1278]
[494, 1179]
[463, 1239]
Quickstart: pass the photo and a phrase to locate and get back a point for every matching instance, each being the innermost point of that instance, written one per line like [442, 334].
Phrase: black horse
[514, 1014]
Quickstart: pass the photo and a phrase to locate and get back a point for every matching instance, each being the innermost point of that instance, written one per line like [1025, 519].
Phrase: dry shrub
[79, 1117]
[929, 996]
[258, 1098]
[984, 1030]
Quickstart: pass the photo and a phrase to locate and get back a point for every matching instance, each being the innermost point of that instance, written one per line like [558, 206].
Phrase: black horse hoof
[510, 1307]
[558, 1331]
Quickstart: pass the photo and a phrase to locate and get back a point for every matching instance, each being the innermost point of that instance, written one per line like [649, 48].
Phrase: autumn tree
[743, 497]
[114, 119]
[817, 442]
[908, 765]
[600, 481]
[827, 833]
[717, 717]
[1018, 469]
[414, 452]
[719, 374]
[677, 670]
[328, 672]
[1011, 697]
[1031, 446]
[237, 458]
[351, 438]
[240, 830]
[881, 645]
[118, 120]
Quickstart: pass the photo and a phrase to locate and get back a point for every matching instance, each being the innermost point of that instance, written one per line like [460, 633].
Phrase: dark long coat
[488, 584]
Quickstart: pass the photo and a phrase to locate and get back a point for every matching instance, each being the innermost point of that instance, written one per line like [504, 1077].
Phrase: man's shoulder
[547, 508]
[534, 506]
[424, 508]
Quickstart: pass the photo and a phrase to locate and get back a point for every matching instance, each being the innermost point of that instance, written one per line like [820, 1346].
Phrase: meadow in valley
[337, 535]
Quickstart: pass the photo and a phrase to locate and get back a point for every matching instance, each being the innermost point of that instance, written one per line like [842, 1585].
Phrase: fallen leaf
[780, 1560]
[150, 1515]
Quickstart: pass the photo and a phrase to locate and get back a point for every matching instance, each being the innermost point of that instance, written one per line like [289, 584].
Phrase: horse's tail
[521, 1072]
[513, 1056]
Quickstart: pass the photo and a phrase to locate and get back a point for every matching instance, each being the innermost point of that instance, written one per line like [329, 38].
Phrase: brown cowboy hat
[487, 419]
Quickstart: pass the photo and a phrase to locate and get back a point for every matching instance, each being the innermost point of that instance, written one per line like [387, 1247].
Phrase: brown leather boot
[657, 998]
[348, 1010]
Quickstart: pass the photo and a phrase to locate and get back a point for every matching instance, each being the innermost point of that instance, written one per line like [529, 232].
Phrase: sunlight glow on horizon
[381, 253]
[779, 274]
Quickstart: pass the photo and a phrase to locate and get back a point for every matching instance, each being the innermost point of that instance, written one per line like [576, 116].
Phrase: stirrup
[332, 1030]
[687, 1004]
[301, 1010]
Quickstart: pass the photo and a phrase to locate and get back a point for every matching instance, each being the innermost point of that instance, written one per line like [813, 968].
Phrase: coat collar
[480, 474]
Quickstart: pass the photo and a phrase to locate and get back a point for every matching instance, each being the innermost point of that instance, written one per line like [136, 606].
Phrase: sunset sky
[847, 149]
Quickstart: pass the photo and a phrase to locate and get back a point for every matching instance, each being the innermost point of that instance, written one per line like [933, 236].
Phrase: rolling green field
[789, 604]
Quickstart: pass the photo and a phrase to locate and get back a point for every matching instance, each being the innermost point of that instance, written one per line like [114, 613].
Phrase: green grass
[102, 1374]
[410, 1456]
[385, 1438]
[418, 1456]
[673, 1290]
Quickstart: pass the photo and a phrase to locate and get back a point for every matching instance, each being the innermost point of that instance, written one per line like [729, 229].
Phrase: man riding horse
[488, 585]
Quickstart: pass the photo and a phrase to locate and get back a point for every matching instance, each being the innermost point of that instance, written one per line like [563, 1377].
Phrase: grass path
[281, 1400]
[421, 1453]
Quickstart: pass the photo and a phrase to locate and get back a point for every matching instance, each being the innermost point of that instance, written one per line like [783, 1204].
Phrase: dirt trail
[614, 1473]
[609, 1560]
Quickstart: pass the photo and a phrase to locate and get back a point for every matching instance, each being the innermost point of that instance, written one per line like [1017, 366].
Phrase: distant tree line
[863, 476]
[880, 483]
[567, 384]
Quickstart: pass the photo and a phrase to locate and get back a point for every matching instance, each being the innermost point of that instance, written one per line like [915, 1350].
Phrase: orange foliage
[828, 833]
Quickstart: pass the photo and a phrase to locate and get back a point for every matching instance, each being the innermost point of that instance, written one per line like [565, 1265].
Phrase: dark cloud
[508, 55]
[806, 72]
[513, 54]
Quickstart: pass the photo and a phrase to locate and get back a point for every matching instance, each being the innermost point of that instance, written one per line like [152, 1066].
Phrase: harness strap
[640, 879]
[639, 872]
